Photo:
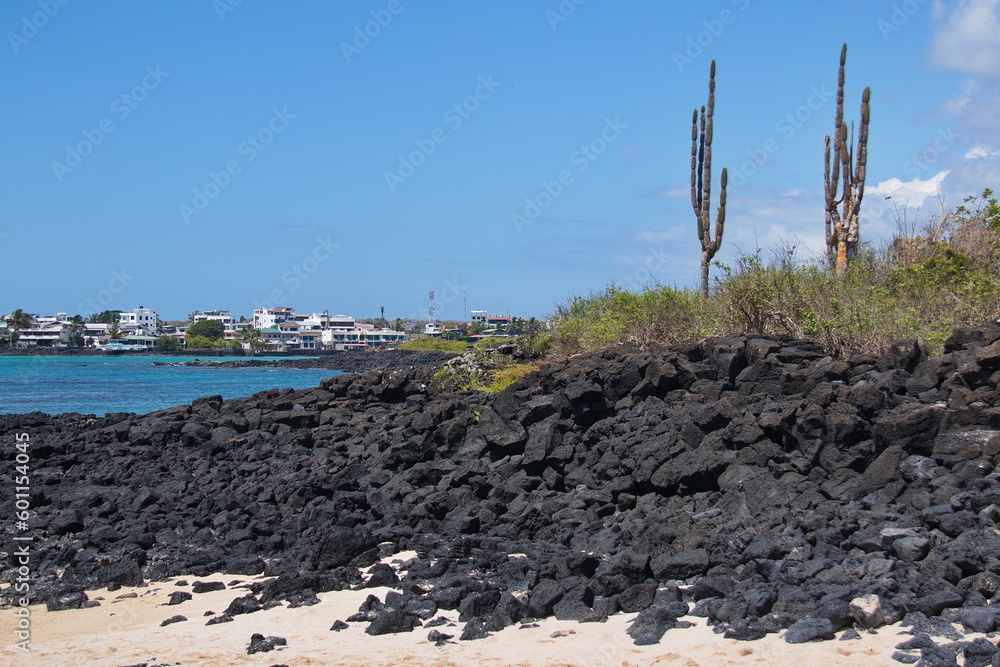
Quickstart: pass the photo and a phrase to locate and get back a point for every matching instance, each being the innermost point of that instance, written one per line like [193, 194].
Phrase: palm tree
[251, 335]
[398, 324]
[533, 327]
[75, 330]
[113, 331]
[16, 321]
[515, 327]
[104, 317]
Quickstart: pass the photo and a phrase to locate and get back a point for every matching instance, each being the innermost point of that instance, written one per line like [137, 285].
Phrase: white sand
[128, 631]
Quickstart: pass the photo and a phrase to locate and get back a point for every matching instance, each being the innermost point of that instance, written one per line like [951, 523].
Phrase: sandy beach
[126, 630]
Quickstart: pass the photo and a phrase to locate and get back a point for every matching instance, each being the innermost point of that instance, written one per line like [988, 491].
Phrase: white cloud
[966, 40]
[913, 193]
[981, 152]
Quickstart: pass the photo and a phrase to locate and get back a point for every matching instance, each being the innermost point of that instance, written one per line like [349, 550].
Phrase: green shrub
[201, 342]
[167, 343]
[210, 329]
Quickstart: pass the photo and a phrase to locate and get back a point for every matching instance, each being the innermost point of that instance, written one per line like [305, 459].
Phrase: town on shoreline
[270, 330]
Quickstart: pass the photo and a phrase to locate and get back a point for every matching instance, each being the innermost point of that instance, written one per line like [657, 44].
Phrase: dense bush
[211, 329]
[168, 343]
[201, 342]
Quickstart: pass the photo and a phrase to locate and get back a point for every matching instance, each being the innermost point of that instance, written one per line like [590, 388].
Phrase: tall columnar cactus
[701, 182]
[842, 224]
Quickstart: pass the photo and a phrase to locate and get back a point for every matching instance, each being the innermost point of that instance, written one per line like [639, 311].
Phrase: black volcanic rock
[173, 619]
[809, 629]
[178, 597]
[778, 485]
[207, 586]
[651, 624]
[247, 604]
[388, 621]
[261, 644]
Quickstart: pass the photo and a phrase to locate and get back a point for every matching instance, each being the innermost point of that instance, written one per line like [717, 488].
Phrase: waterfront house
[140, 320]
[267, 318]
[223, 316]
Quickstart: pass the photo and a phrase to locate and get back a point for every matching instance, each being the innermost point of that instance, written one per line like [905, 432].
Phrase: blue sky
[229, 154]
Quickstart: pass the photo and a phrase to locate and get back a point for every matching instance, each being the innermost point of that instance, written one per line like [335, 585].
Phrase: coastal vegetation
[435, 345]
[105, 317]
[15, 322]
[211, 329]
[168, 344]
[204, 343]
[493, 364]
[486, 371]
[928, 280]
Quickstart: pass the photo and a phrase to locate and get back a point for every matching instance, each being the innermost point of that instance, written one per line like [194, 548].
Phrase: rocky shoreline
[350, 361]
[749, 480]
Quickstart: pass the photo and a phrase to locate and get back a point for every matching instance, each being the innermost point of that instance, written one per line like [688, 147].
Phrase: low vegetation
[435, 345]
[922, 285]
[491, 365]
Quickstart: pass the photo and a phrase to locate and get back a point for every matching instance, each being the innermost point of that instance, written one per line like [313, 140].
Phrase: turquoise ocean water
[98, 385]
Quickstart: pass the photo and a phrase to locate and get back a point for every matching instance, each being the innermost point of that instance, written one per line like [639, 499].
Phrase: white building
[223, 316]
[324, 321]
[51, 333]
[270, 318]
[141, 320]
[489, 319]
[94, 332]
[362, 336]
[289, 336]
[47, 320]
